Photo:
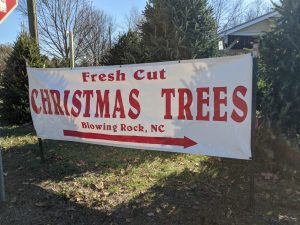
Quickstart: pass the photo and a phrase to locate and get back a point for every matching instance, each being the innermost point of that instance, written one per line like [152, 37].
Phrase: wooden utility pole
[32, 19]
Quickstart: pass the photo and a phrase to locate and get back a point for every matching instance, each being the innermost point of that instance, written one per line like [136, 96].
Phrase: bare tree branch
[134, 19]
[229, 13]
[93, 34]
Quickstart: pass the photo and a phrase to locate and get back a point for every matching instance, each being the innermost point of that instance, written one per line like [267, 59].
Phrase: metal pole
[2, 192]
[71, 42]
[41, 150]
[253, 123]
[32, 20]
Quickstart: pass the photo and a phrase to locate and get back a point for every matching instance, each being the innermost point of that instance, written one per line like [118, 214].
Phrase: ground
[89, 184]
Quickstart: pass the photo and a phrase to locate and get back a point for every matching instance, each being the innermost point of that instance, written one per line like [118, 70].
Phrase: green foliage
[172, 30]
[127, 50]
[280, 70]
[55, 62]
[5, 51]
[176, 29]
[14, 83]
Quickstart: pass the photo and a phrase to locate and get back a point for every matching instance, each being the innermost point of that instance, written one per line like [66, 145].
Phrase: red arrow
[184, 142]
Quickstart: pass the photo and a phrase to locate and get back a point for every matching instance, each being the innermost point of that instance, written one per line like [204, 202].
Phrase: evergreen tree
[176, 29]
[5, 51]
[14, 83]
[127, 50]
[280, 70]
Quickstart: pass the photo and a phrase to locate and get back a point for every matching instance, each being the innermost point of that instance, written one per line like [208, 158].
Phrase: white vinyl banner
[193, 106]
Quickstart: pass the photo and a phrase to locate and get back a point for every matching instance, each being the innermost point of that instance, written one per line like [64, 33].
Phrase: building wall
[255, 29]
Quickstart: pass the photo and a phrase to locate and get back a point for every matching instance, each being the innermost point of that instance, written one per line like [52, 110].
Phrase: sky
[118, 9]
[10, 28]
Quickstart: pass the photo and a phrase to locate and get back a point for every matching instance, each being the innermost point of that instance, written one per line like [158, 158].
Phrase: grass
[130, 186]
[13, 137]
[116, 171]
[119, 174]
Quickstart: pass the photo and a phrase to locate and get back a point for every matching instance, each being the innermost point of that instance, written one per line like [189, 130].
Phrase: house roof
[249, 23]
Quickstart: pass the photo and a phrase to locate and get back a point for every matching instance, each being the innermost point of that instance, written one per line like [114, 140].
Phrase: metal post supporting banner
[41, 150]
[2, 191]
[253, 125]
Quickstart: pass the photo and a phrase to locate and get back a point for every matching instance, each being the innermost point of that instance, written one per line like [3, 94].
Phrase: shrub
[14, 82]
[280, 71]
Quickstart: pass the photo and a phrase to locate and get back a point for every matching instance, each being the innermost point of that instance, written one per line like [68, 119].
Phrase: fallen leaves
[41, 204]
[81, 163]
[150, 214]
[269, 176]
[72, 208]
[229, 213]
[13, 199]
